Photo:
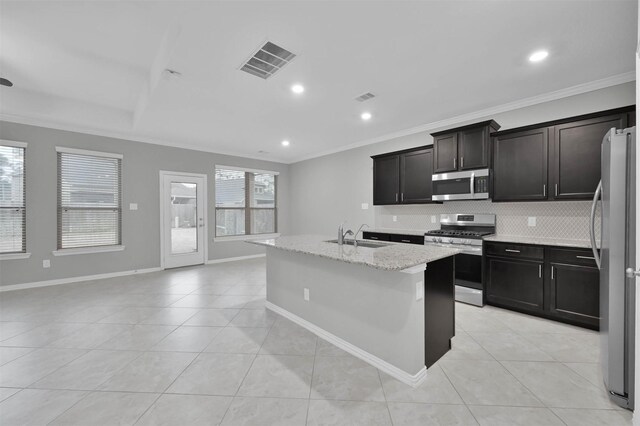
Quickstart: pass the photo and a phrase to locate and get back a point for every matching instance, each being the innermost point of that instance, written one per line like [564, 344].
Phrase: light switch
[531, 221]
[394, 218]
[365, 206]
[46, 263]
[306, 294]
[133, 206]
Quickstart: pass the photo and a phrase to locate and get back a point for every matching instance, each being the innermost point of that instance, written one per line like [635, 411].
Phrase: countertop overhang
[391, 257]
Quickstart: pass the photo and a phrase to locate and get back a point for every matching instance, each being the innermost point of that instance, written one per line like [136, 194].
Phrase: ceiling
[98, 66]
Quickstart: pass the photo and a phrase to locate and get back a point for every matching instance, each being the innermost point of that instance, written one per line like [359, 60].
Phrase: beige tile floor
[195, 346]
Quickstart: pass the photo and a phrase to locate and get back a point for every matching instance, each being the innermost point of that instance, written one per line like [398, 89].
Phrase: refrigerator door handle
[592, 224]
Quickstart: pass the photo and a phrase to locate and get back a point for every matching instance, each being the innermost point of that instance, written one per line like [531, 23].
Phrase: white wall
[328, 190]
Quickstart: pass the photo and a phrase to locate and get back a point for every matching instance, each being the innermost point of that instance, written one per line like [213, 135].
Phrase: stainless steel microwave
[466, 185]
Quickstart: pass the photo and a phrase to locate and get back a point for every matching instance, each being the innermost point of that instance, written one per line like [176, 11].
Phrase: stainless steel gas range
[465, 232]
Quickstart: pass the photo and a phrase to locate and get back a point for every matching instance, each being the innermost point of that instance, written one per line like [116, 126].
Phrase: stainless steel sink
[361, 243]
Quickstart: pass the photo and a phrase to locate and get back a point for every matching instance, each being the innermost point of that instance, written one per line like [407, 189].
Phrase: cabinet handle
[373, 238]
[454, 163]
[396, 197]
[544, 189]
[552, 273]
[462, 162]
[586, 257]
[556, 189]
[539, 271]
[406, 241]
[512, 251]
[402, 197]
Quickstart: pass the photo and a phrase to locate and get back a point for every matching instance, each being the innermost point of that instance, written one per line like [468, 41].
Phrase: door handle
[552, 273]
[631, 273]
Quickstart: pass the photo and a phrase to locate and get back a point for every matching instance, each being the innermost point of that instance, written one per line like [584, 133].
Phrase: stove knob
[439, 240]
[450, 241]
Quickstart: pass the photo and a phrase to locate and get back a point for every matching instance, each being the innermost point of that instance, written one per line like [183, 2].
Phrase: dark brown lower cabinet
[515, 283]
[553, 282]
[575, 293]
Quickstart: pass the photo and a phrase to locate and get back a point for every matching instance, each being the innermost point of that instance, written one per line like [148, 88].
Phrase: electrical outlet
[433, 218]
[365, 206]
[531, 221]
[419, 290]
[394, 218]
[46, 263]
[133, 206]
[306, 294]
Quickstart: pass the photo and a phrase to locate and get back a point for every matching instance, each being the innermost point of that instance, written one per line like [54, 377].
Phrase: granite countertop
[390, 257]
[561, 242]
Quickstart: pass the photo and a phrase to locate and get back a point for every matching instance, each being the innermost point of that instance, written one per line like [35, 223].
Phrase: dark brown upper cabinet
[520, 166]
[386, 180]
[575, 160]
[463, 148]
[403, 177]
[558, 160]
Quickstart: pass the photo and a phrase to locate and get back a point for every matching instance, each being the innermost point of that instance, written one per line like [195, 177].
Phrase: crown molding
[433, 126]
[41, 122]
[482, 114]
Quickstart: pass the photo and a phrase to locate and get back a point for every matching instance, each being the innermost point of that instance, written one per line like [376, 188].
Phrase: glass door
[183, 220]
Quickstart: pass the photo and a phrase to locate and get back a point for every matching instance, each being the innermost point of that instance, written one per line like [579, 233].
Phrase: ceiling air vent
[365, 97]
[268, 60]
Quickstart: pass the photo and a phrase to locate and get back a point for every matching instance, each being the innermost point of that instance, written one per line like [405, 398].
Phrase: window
[13, 228]
[89, 198]
[245, 202]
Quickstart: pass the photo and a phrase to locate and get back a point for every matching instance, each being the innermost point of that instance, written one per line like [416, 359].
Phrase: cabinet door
[445, 153]
[520, 166]
[575, 159]
[575, 293]
[386, 180]
[473, 146]
[416, 169]
[515, 283]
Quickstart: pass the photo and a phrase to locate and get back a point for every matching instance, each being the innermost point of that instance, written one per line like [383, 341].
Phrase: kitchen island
[390, 304]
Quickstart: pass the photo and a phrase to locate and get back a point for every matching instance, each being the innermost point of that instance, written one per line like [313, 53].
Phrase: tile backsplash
[554, 219]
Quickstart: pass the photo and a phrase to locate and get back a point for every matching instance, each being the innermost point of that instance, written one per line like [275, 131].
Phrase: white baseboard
[234, 259]
[413, 380]
[76, 279]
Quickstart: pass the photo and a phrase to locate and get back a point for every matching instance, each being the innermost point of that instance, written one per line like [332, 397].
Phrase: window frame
[248, 209]
[22, 254]
[101, 248]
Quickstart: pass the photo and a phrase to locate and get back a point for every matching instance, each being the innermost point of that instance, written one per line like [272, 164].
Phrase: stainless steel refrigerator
[616, 254]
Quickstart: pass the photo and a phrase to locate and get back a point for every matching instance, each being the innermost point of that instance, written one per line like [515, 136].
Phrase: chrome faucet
[355, 236]
[342, 233]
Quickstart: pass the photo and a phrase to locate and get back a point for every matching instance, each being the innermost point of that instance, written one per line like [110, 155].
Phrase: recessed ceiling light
[365, 116]
[297, 88]
[538, 56]
[285, 143]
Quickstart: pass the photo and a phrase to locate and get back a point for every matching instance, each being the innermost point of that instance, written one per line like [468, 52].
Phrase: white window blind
[12, 200]
[89, 200]
[245, 202]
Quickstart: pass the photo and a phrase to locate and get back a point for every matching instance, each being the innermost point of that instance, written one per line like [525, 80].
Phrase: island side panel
[439, 309]
[372, 309]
